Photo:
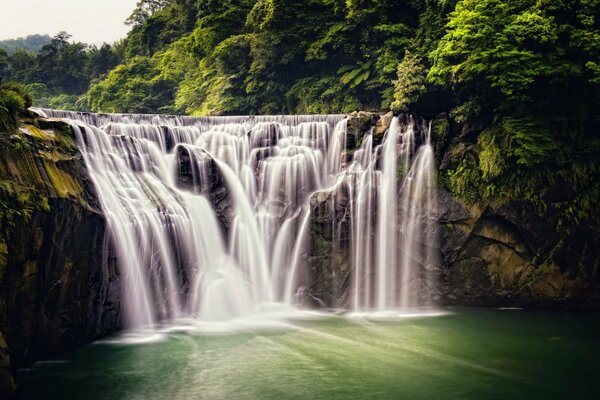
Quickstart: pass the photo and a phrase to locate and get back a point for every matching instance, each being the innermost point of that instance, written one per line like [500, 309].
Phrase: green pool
[463, 354]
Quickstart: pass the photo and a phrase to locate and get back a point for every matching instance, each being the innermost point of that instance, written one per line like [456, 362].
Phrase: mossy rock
[62, 182]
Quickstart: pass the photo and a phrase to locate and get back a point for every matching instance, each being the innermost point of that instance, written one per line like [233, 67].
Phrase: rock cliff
[55, 294]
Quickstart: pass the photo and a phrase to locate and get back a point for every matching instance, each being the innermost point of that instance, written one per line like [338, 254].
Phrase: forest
[524, 75]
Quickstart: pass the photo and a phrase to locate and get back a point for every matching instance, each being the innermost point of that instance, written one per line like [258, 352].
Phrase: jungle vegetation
[515, 82]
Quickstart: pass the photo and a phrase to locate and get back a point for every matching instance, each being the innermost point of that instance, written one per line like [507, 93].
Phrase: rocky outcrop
[511, 255]
[55, 291]
[328, 258]
[507, 254]
[7, 383]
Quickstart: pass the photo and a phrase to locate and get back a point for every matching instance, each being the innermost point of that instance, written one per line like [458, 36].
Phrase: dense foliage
[31, 43]
[527, 73]
[518, 81]
[13, 104]
[60, 72]
[266, 56]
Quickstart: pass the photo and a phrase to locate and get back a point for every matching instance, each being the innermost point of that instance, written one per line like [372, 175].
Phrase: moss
[38, 133]
[41, 166]
[19, 202]
[54, 156]
[58, 134]
[440, 128]
[64, 184]
[401, 170]
[464, 180]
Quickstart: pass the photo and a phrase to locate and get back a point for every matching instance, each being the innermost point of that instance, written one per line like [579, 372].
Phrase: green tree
[100, 60]
[144, 10]
[13, 102]
[410, 83]
[516, 53]
[23, 66]
[4, 65]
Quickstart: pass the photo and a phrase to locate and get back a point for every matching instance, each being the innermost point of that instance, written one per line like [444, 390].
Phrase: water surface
[465, 354]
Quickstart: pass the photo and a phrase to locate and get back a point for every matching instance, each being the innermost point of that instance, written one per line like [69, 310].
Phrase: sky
[89, 21]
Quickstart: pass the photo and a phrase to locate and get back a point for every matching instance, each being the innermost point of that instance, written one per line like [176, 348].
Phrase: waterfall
[392, 251]
[210, 216]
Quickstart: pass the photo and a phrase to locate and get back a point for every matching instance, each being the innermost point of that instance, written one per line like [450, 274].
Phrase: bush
[13, 103]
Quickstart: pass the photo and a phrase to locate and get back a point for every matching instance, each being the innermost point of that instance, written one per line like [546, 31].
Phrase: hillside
[515, 84]
[31, 43]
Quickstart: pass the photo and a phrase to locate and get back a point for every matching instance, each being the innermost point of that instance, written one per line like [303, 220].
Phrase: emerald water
[462, 354]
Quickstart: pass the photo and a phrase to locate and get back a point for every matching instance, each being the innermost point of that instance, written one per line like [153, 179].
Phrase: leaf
[360, 78]
[349, 76]
[345, 68]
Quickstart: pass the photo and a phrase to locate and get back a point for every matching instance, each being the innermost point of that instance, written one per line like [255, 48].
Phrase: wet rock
[58, 281]
[383, 124]
[265, 135]
[328, 256]
[359, 124]
[7, 383]
[223, 207]
[196, 170]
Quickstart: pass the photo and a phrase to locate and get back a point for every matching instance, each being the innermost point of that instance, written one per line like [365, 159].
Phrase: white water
[391, 189]
[155, 176]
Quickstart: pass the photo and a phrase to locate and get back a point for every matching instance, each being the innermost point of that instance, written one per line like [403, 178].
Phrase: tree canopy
[521, 78]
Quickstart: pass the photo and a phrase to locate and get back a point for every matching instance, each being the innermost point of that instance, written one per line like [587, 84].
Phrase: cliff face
[511, 255]
[55, 294]
[505, 254]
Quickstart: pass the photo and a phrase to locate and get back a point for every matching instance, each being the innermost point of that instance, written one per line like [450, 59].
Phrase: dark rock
[197, 171]
[223, 207]
[58, 281]
[510, 255]
[470, 132]
[328, 256]
[7, 384]
[359, 124]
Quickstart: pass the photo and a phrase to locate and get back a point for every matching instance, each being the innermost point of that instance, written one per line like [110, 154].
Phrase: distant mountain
[31, 43]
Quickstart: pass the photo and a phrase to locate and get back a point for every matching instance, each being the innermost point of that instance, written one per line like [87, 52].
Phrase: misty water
[213, 309]
[462, 354]
[179, 256]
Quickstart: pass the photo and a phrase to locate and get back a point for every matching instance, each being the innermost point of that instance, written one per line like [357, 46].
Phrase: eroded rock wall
[55, 291]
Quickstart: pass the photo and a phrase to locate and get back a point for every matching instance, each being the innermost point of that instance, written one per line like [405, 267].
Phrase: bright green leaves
[494, 46]
[515, 141]
[320, 96]
[410, 82]
[144, 10]
[354, 75]
[526, 141]
[13, 102]
[132, 87]
[261, 14]
[244, 56]
[530, 28]
[486, 42]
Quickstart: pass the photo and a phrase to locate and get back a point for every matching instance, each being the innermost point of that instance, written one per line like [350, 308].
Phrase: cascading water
[183, 255]
[392, 251]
